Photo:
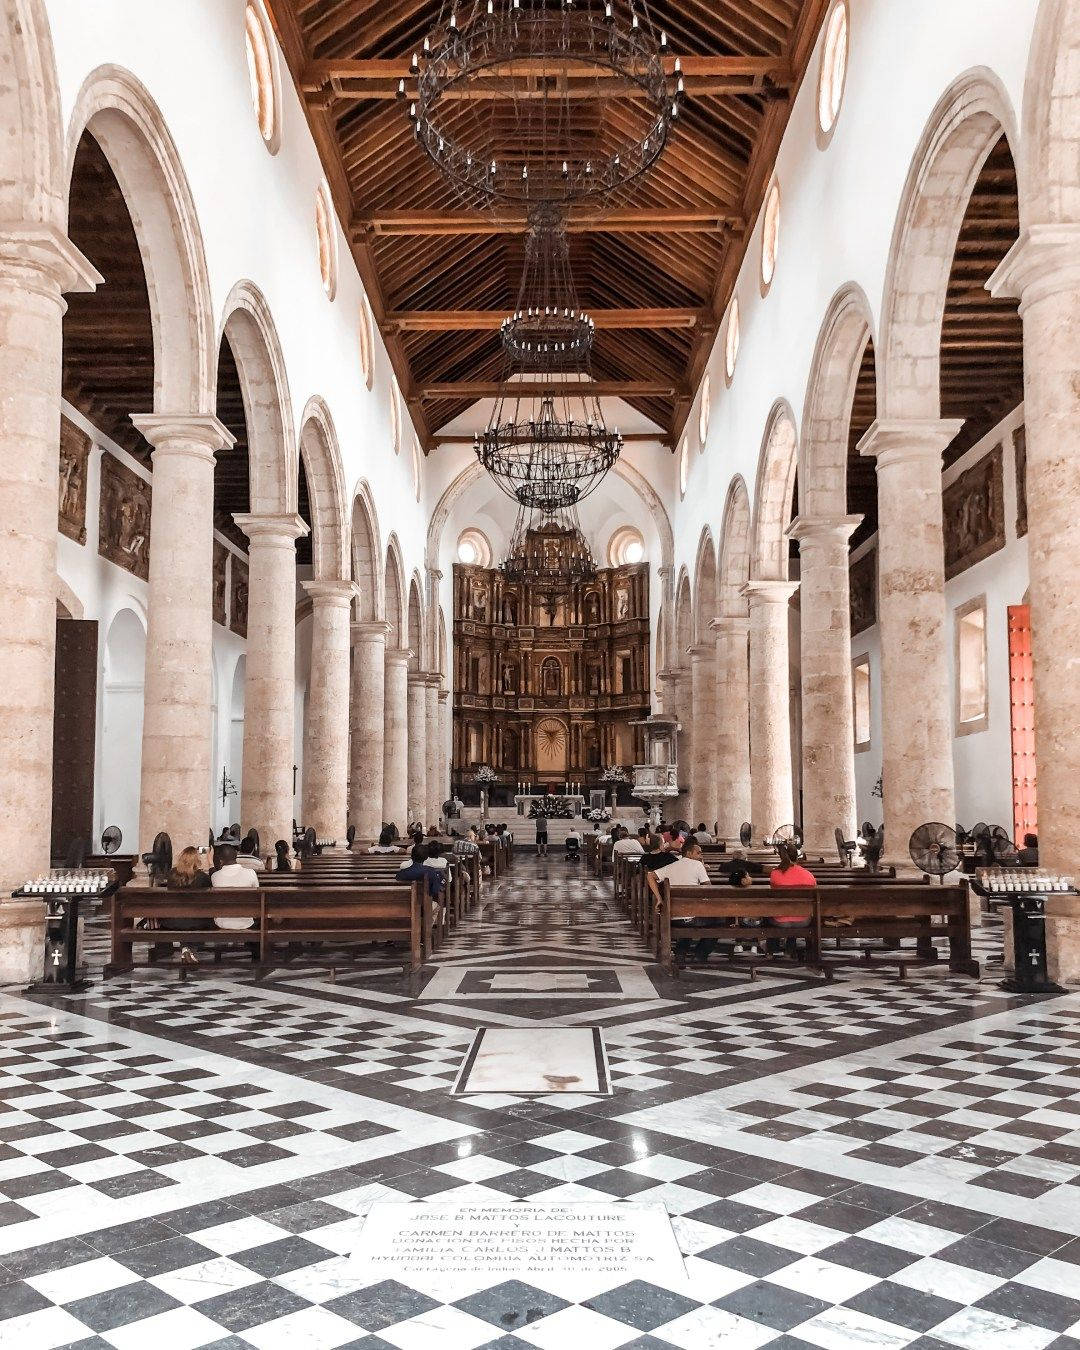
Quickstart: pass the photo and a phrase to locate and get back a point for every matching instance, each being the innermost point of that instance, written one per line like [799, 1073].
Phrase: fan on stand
[1003, 847]
[873, 844]
[785, 834]
[934, 850]
[746, 834]
[159, 860]
[845, 848]
[111, 839]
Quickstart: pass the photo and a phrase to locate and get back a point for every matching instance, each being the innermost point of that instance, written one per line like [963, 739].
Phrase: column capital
[195, 435]
[34, 247]
[332, 594]
[823, 529]
[377, 628]
[418, 677]
[701, 651]
[271, 530]
[764, 592]
[1044, 261]
[398, 656]
[434, 573]
[730, 625]
[909, 440]
[444, 695]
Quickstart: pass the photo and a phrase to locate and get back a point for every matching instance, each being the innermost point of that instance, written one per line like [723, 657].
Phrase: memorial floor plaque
[574, 1250]
[535, 1062]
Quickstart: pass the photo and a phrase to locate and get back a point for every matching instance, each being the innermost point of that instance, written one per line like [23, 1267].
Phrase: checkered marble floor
[867, 1163]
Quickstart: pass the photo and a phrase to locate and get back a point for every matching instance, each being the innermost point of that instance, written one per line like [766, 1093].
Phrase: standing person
[541, 836]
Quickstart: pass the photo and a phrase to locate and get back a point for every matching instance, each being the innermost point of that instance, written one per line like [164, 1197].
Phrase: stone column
[436, 794]
[37, 265]
[1043, 269]
[417, 744]
[732, 725]
[177, 743]
[326, 724]
[367, 724]
[772, 801]
[828, 717]
[703, 705]
[396, 741]
[270, 681]
[916, 697]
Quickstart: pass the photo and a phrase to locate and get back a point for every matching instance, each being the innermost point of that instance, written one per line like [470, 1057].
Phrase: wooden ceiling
[657, 272]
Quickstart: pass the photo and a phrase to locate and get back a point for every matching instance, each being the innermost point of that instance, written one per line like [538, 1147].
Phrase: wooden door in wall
[1022, 707]
[74, 724]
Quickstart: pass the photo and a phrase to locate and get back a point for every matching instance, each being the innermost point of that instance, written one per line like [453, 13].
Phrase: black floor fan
[934, 849]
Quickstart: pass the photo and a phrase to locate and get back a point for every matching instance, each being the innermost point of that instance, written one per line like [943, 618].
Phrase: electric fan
[111, 839]
[933, 848]
[845, 847]
[746, 834]
[785, 834]
[350, 835]
[1002, 846]
[159, 860]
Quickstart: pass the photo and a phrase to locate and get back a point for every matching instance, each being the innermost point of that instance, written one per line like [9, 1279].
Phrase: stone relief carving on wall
[238, 609]
[124, 517]
[863, 583]
[973, 514]
[1020, 460]
[221, 557]
[74, 461]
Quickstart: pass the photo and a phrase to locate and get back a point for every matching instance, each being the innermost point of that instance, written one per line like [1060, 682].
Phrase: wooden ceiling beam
[469, 390]
[468, 320]
[639, 220]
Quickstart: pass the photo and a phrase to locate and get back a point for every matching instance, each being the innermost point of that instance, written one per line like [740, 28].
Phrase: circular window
[395, 418]
[262, 73]
[770, 237]
[367, 361]
[473, 549]
[731, 340]
[704, 411]
[417, 459]
[326, 241]
[684, 465]
[626, 548]
[834, 65]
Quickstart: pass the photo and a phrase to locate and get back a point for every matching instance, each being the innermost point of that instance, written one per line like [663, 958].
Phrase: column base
[22, 941]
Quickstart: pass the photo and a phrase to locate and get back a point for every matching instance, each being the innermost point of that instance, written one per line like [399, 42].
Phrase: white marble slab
[535, 1062]
[569, 1248]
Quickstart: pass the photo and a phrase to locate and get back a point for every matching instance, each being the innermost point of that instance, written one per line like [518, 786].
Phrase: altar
[550, 804]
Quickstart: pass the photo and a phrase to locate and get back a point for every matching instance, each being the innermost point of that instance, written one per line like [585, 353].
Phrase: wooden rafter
[472, 320]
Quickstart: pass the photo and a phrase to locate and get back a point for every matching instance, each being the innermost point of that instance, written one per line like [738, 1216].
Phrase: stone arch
[1051, 136]
[705, 596]
[32, 155]
[735, 551]
[415, 621]
[117, 111]
[964, 127]
[321, 455]
[394, 595]
[684, 622]
[366, 556]
[777, 466]
[68, 600]
[847, 328]
[264, 385]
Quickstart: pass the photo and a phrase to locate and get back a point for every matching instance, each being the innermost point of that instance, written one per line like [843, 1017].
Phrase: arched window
[626, 547]
[417, 460]
[732, 337]
[684, 465]
[395, 417]
[367, 352]
[473, 548]
[261, 52]
[770, 237]
[834, 65]
[326, 241]
[704, 410]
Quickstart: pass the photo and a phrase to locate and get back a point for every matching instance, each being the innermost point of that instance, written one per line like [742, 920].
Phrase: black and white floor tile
[866, 1163]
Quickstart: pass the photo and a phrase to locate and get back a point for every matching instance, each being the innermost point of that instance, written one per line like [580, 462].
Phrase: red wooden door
[1022, 705]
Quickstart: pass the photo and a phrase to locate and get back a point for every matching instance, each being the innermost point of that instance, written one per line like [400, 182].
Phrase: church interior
[493, 490]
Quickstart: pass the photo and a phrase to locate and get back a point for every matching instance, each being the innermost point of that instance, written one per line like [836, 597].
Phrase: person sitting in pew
[387, 841]
[688, 869]
[789, 872]
[1029, 854]
[417, 869]
[230, 874]
[186, 874]
[625, 842]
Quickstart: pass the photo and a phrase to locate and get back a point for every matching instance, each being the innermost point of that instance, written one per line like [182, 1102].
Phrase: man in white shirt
[703, 835]
[232, 875]
[625, 843]
[686, 870]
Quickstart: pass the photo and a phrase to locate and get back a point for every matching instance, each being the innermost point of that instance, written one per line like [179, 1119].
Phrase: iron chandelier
[548, 551]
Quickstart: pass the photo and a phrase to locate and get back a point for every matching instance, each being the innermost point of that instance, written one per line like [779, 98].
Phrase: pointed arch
[32, 178]
[321, 454]
[264, 386]
[118, 112]
[367, 556]
[964, 127]
[684, 623]
[704, 587]
[777, 466]
[1051, 139]
[847, 327]
[415, 620]
[394, 595]
[735, 551]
